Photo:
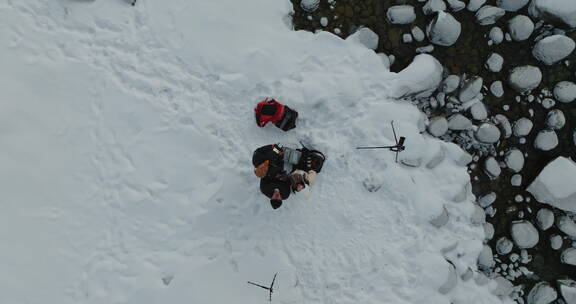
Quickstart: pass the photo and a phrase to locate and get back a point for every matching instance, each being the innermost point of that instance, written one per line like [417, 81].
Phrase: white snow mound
[421, 78]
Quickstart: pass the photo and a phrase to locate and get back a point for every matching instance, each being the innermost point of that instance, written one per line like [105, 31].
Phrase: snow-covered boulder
[545, 218]
[546, 140]
[366, 37]
[474, 5]
[556, 242]
[569, 256]
[418, 34]
[503, 287]
[309, 5]
[565, 91]
[504, 246]
[553, 49]
[541, 293]
[488, 231]
[420, 78]
[494, 63]
[401, 14]
[450, 84]
[524, 234]
[456, 5]
[525, 78]
[433, 6]
[470, 89]
[568, 290]
[487, 199]
[523, 126]
[516, 180]
[566, 225]
[478, 111]
[485, 259]
[489, 14]
[492, 168]
[554, 11]
[438, 126]
[497, 89]
[496, 35]
[555, 185]
[512, 5]
[459, 122]
[488, 133]
[514, 160]
[520, 27]
[444, 29]
[555, 119]
[504, 125]
[478, 216]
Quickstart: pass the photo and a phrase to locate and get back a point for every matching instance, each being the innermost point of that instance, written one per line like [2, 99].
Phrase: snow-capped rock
[496, 35]
[524, 234]
[516, 180]
[548, 103]
[504, 246]
[451, 280]
[504, 125]
[554, 11]
[541, 293]
[522, 127]
[470, 89]
[459, 122]
[546, 140]
[503, 287]
[520, 27]
[555, 185]
[309, 5]
[515, 160]
[441, 219]
[366, 37]
[568, 290]
[450, 84]
[433, 6]
[488, 133]
[485, 259]
[478, 216]
[487, 199]
[553, 49]
[456, 5]
[555, 119]
[544, 218]
[474, 5]
[497, 89]
[420, 78]
[401, 14]
[444, 29]
[525, 78]
[492, 168]
[565, 91]
[511, 5]
[418, 34]
[407, 38]
[566, 225]
[478, 111]
[488, 231]
[556, 242]
[489, 14]
[494, 63]
[569, 256]
[438, 126]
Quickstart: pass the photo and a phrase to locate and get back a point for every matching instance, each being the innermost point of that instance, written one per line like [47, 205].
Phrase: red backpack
[268, 110]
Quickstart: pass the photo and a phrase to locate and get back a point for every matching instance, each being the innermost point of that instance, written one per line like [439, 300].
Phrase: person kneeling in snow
[272, 164]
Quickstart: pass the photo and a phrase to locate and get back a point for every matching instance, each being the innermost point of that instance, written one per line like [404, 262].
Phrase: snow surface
[555, 184]
[127, 135]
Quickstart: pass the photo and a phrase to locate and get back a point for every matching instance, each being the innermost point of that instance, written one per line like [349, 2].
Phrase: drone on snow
[398, 147]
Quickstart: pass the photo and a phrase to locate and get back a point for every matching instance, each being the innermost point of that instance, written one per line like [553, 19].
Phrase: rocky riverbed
[506, 95]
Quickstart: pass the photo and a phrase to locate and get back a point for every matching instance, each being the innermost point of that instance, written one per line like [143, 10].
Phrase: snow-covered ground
[125, 171]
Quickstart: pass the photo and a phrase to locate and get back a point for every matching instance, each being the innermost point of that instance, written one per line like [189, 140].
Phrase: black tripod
[398, 147]
[271, 288]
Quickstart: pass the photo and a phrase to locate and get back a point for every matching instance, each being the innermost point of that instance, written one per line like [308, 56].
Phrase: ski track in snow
[343, 244]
